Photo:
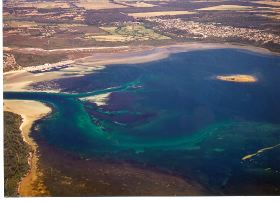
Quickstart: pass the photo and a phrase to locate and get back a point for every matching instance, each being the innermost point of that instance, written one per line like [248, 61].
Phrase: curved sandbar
[239, 78]
[259, 151]
[30, 111]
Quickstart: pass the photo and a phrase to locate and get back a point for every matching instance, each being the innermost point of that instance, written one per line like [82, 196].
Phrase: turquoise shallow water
[173, 115]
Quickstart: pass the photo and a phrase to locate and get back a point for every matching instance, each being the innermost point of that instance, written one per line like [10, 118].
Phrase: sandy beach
[21, 79]
[26, 108]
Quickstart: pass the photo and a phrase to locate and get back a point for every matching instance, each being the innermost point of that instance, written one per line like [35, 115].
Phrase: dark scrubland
[16, 153]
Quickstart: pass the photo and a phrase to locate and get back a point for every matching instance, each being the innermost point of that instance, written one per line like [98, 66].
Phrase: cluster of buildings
[49, 67]
[212, 30]
[9, 62]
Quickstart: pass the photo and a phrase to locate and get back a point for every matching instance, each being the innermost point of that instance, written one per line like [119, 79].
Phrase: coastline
[100, 175]
[25, 108]
[66, 179]
[20, 80]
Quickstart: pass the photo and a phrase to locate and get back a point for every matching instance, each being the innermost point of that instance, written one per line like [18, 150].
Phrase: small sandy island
[239, 78]
[30, 111]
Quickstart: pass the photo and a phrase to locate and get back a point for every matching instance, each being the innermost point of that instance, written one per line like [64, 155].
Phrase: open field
[129, 33]
[225, 8]
[97, 4]
[44, 5]
[18, 24]
[110, 38]
[162, 13]
[48, 36]
[270, 3]
[141, 5]
[26, 60]
[57, 28]
[136, 4]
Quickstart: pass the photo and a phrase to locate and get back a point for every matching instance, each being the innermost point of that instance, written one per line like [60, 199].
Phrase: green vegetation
[133, 32]
[25, 60]
[15, 153]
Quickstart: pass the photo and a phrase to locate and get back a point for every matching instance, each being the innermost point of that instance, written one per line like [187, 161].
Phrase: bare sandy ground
[225, 8]
[161, 13]
[239, 78]
[98, 4]
[21, 79]
[30, 111]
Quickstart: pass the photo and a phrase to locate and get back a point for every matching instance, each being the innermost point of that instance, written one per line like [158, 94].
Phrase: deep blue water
[173, 115]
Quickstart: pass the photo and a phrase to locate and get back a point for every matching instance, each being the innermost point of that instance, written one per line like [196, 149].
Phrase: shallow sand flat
[129, 58]
[239, 78]
[19, 80]
[99, 100]
[149, 53]
[30, 111]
